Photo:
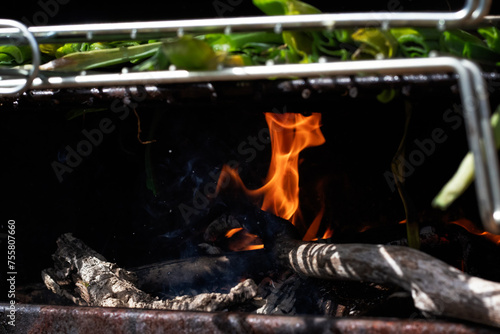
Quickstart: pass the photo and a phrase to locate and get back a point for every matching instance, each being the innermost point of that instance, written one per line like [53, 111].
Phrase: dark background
[92, 11]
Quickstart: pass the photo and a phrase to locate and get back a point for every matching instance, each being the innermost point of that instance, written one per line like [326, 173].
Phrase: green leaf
[344, 35]
[190, 54]
[375, 42]
[50, 49]
[157, 62]
[416, 42]
[71, 48]
[492, 37]
[463, 44]
[14, 55]
[240, 41]
[285, 7]
[86, 60]
[300, 43]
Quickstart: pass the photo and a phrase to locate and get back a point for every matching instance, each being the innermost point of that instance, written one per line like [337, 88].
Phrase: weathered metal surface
[63, 319]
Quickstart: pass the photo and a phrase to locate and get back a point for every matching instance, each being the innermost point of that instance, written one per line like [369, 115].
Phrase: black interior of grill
[77, 11]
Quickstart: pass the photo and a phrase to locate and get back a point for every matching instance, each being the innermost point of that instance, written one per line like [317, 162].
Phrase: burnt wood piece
[219, 227]
[280, 298]
[436, 287]
[192, 274]
[86, 278]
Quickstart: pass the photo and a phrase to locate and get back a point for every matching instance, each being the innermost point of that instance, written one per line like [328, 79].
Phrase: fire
[328, 233]
[471, 228]
[233, 231]
[290, 133]
[245, 240]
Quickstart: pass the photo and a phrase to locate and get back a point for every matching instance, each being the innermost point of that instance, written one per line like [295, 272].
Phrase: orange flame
[233, 231]
[328, 233]
[471, 228]
[290, 134]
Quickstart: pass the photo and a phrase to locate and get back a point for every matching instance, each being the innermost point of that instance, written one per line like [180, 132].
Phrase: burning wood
[239, 239]
[436, 287]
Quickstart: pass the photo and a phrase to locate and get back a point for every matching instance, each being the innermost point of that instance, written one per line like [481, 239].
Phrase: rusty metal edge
[96, 320]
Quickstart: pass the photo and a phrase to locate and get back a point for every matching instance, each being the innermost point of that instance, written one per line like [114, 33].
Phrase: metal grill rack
[472, 86]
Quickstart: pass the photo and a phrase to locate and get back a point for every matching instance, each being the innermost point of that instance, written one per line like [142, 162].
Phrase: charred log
[172, 278]
[436, 287]
[85, 277]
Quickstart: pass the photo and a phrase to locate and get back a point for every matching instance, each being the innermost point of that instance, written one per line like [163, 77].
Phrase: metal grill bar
[71, 319]
[33, 72]
[472, 12]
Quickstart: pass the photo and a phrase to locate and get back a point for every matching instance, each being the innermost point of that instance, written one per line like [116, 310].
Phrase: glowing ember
[233, 231]
[328, 233]
[471, 228]
[290, 134]
[243, 240]
[253, 247]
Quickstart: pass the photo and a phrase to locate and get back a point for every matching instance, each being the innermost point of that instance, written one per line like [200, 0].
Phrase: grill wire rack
[471, 84]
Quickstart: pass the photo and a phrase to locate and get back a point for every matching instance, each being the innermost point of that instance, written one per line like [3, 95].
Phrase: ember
[242, 240]
[472, 228]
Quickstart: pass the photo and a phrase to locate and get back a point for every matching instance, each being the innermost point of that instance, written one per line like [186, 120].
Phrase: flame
[312, 231]
[233, 231]
[290, 133]
[471, 228]
[328, 233]
[254, 247]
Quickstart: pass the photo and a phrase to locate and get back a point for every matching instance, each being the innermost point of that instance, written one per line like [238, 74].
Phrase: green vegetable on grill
[14, 55]
[212, 51]
[464, 175]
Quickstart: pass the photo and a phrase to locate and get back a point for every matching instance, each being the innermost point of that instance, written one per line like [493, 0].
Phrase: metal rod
[485, 158]
[387, 66]
[472, 12]
[73, 319]
[33, 72]
[305, 90]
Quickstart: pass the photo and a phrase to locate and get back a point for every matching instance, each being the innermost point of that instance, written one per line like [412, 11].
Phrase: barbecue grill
[309, 85]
